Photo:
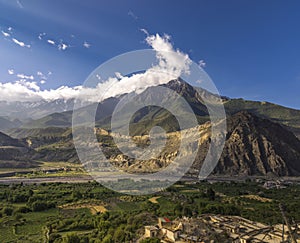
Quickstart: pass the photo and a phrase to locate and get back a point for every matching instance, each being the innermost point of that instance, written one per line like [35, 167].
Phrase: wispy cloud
[20, 4]
[20, 43]
[145, 31]
[86, 44]
[51, 42]
[5, 33]
[9, 34]
[132, 15]
[23, 76]
[40, 75]
[43, 77]
[41, 35]
[202, 63]
[63, 46]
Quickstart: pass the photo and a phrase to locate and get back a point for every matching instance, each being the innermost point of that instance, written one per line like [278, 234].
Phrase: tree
[211, 194]
[186, 211]
[119, 235]
[71, 238]
[8, 211]
[38, 206]
[107, 239]
[178, 210]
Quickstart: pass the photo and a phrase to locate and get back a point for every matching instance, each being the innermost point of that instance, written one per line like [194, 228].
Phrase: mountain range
[262, 137]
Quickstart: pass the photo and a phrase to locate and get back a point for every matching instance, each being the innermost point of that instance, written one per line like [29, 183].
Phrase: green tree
[119, 235]
[8, 211]
[211, 194]
[71, 238]
[108, 239]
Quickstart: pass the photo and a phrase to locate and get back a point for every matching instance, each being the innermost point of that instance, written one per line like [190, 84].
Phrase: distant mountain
[63, 119]
[7, 123]
[14, 153]
[140, 121]
[37, 132]
[35, 109]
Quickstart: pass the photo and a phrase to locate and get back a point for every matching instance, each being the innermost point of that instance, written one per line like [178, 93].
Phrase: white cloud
[202, 64]
[43, 76]
[170, 60]
[98, 77]
[41, 35]
[51, 42]
[20, 43]
[10, 71]
[171, 65]
[119, 75]
[5, 33]
[23, 76]
[19, 91]
[29, 85]
[63, 46]
[145, 31]
[86, 44]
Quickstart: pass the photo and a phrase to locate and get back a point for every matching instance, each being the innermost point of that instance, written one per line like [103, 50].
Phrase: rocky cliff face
[256, 146]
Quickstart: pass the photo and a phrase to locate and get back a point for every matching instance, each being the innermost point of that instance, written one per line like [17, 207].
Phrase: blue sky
[251, 48]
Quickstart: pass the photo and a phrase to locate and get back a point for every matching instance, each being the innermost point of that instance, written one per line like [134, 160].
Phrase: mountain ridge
[259, 140]
[283, 115]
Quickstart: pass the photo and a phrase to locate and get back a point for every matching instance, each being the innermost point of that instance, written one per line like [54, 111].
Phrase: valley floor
[88, 212]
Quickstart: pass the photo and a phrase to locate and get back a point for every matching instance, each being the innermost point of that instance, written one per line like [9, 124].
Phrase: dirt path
[154, 199]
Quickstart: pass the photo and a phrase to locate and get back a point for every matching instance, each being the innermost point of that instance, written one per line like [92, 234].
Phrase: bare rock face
[256, 146]
[253, 146]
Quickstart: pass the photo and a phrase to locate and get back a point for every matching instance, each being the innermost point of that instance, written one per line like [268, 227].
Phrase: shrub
[8, 211]
[72, 238]
[41, 206]
[23, 209]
